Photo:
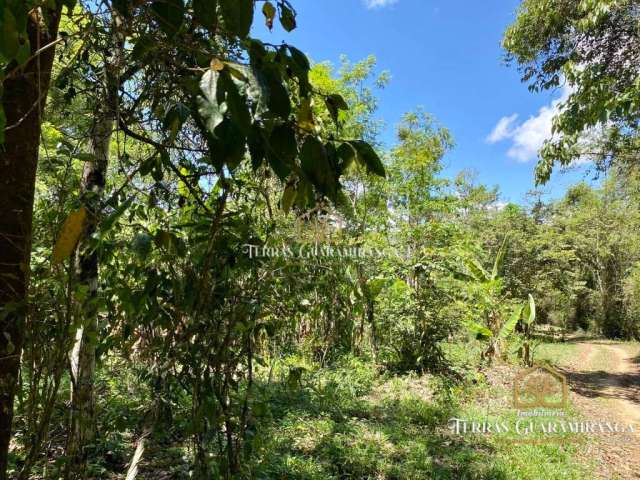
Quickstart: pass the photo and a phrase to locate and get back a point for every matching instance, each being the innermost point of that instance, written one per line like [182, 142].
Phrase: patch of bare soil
[604, 381]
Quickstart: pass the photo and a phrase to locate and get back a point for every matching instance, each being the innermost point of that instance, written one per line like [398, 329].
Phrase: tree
[592, 46]
[26, 58]
[200, 94]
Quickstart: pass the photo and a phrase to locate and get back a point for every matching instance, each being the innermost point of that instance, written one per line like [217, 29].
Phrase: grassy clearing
[351, 422]
[556, 353]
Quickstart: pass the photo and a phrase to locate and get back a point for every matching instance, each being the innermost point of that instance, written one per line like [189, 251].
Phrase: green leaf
[499, 261]
[111, 220]
[229, 144]
[175, 118]
[368, 157]
[209, 106]
[170, 15]
[237, 106]
[269, 12]
[204, 11]
[315, 165]
[237, 16]
[288, 197]
[476, 269]
[375, 286]
[278, 100]
[287, 16]
[305, 116]
[510, 324]
[529, 311]
[481, 332]
[346, 154]
[335, 103]
[256, 143]
[305, 197]
[10, 35]
[300, 67]
[283, 150]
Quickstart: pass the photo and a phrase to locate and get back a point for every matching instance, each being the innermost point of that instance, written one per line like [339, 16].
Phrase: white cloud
[529, 136]
[379, 3]
[502, 129]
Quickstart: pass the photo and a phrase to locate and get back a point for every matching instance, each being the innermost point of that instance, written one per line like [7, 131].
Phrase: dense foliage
[590, 48]
[221, 248]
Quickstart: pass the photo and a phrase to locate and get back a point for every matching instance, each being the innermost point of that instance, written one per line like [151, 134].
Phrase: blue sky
[444, 56]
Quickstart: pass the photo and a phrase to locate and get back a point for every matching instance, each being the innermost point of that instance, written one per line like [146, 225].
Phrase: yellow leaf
[305, 116]
[69, 235]
[217, 65]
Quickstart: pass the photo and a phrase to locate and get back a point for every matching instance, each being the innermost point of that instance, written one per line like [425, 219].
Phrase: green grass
[353, 421]
[556, 353]
[349, 422]
[550, 460]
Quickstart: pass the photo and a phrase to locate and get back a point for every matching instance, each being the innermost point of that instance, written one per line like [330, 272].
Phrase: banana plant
[494, 328]
[478, 273]
[524, 313]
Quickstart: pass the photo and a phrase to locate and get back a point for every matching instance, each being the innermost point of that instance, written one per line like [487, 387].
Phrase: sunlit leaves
[499, 261]
[509, 326]
[479, 331]
[305, 116]
[529, 311]
[210, 106]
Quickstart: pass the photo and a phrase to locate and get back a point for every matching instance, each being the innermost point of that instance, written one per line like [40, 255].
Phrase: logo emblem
[540, 386]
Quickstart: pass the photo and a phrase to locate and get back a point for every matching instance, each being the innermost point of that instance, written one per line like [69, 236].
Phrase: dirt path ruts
[604, 379]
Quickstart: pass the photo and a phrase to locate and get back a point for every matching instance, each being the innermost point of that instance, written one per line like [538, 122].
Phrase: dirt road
[604, 379]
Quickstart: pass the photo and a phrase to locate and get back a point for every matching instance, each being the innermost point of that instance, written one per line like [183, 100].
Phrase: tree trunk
[83, 355]
[82, 428]
[24, 98]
